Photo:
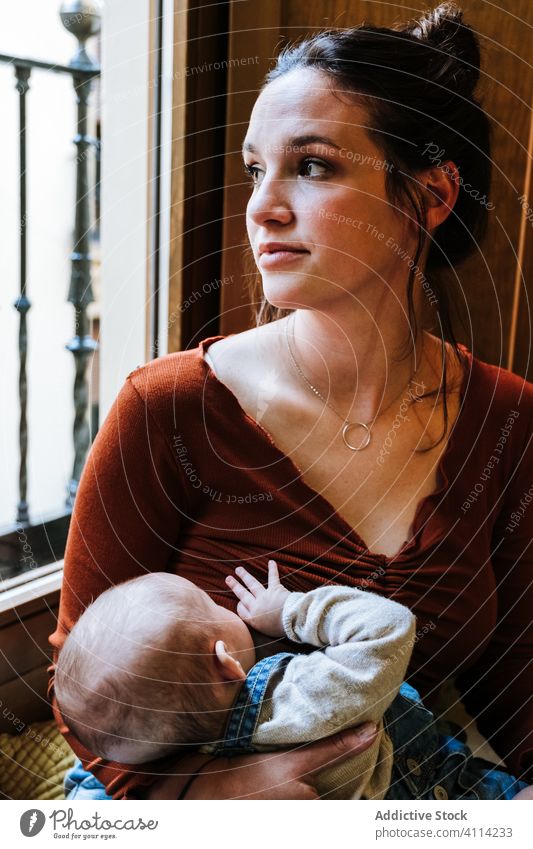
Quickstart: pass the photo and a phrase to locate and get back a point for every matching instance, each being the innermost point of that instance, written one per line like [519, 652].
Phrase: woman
[339, 436]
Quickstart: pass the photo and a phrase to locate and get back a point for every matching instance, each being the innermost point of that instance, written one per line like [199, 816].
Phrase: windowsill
[30, 585]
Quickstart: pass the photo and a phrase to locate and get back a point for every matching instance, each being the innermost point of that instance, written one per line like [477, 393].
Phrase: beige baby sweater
[365, 643]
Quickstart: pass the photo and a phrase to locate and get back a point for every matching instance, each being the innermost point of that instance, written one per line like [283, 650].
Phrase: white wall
[126, 189]
[125, 66]
[33, 29]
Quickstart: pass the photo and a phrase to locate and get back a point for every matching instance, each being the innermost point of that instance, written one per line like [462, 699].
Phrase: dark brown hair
[417, 84]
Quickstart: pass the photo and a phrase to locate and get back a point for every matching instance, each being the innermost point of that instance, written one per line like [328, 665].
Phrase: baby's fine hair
[134, 677]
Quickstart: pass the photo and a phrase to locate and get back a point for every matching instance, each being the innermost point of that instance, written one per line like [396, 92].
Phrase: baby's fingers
[243, 612]
[240, 591]
[273, 574]
[252, 583]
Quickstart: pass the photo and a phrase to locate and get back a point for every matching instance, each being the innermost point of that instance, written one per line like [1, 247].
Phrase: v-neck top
[180, 478]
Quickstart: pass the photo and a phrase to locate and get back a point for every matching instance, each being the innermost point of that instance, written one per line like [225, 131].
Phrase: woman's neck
[354, 361]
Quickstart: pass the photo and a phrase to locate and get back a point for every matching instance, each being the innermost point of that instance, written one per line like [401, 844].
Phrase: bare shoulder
[242, 357]
[245, 360]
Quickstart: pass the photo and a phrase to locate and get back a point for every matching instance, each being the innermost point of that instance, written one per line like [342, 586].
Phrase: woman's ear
[230, 669]
[442, 187]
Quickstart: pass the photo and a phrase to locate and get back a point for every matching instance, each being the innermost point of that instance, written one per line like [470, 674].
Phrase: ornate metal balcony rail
[82, 19]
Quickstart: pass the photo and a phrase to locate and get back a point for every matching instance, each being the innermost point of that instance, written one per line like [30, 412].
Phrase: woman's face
[325, 195]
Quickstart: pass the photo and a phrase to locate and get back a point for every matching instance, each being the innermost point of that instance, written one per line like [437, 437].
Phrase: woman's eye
[308, 164]
[307, 168]
[252, 171]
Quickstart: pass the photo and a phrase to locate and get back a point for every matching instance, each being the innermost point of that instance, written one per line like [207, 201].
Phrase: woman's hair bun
[456, 57]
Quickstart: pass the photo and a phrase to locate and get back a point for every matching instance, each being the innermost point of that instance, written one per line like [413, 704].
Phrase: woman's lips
[277, 258]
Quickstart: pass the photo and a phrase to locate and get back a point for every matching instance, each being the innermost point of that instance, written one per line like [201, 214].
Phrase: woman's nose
[270, 202]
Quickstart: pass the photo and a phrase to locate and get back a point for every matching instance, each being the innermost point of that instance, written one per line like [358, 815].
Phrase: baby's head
[152, 665]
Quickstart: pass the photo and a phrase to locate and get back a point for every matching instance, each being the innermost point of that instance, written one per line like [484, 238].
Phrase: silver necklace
[348, 426]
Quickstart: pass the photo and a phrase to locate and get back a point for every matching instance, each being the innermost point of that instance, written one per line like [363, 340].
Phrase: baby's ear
[230, 669]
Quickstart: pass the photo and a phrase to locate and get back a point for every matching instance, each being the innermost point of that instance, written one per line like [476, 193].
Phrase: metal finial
[82, 18]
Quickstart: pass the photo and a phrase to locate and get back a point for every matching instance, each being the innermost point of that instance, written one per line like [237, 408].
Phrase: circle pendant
[366, 439]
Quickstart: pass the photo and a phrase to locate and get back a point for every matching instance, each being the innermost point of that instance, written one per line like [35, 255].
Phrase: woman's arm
[282, 774]
[129, 508]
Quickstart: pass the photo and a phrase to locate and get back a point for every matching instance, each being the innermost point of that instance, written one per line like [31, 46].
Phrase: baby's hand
[259, 606]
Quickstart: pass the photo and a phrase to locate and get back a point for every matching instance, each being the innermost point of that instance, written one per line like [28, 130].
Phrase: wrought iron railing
[82, 19]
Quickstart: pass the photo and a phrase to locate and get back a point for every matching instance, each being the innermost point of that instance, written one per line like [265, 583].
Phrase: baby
[154, 666]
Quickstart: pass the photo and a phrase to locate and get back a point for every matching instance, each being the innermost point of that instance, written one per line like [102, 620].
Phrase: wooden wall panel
[523, 360]
[24, 644]
[177, 192]
[24, 657]
[24, 701]
[198, 153]
[255, 33]
[486, 280]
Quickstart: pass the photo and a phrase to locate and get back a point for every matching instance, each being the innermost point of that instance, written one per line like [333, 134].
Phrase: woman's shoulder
[181, 372]
[170, 388]
[183, 385]
[496, 397]
[505, 387]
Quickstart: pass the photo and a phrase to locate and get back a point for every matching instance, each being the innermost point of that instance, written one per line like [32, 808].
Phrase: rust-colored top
[180, 478]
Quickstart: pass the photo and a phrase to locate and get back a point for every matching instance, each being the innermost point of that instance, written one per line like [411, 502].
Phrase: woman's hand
[526, 793]
[284, 774]
[260, 607]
